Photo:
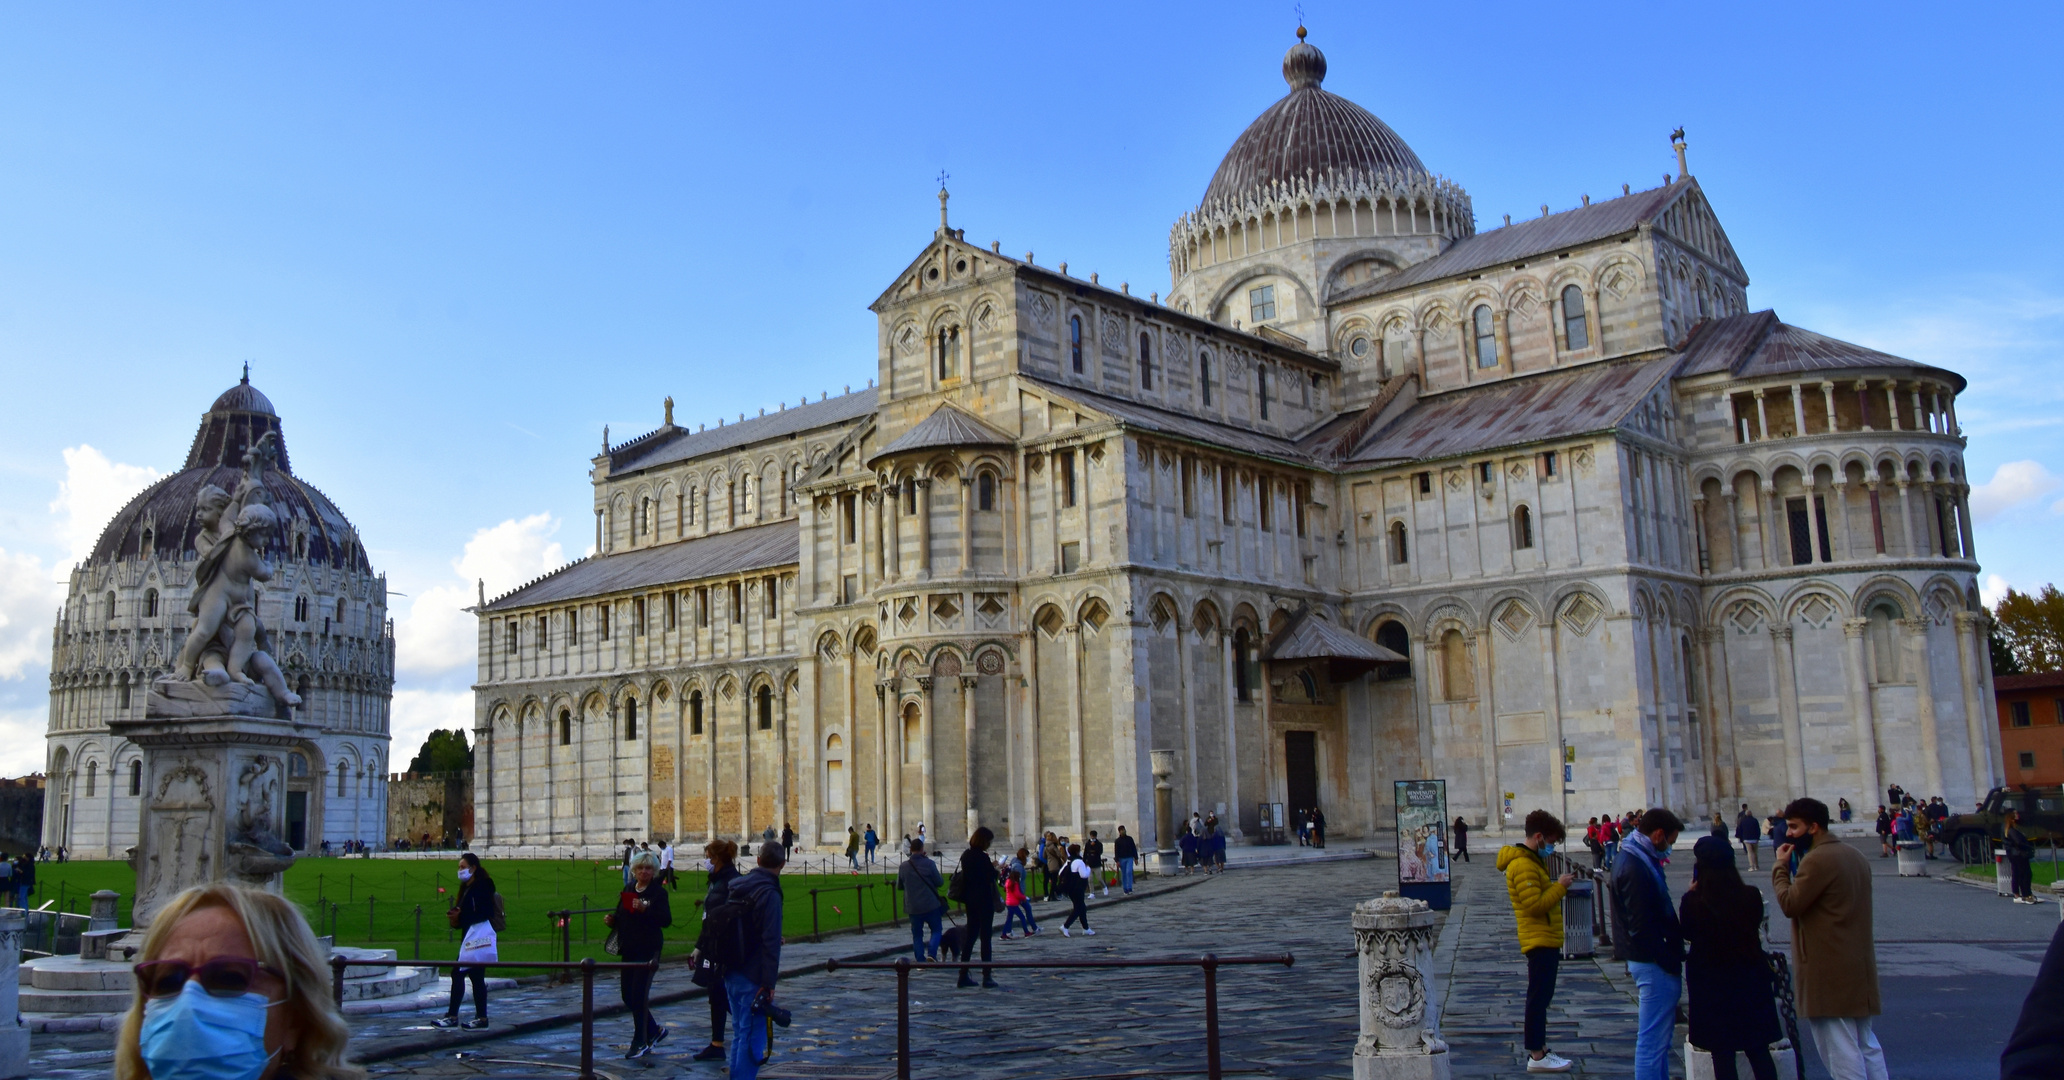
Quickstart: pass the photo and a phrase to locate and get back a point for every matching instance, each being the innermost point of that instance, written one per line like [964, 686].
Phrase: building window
[1261, 387]
[150, 603]
[1359, 347]
[909, 495]
[1576, 330]
[122, 694]
[1204, 375]
[694, 712]
[1548, 463]
[512, 634]
[2027, 762]
[1399, 553]
[602, 622]
[136, 777]
[1802, 533]
[1425, 480]
[1064, 464]
[110, 608]
[1261, 303]
[630, 729]
[849, 589]
[1484, 473]
[702, 606]
[1486, 337]
[738, 601]
[565, 728]
[672, 608]
[544, 632]
[771, 593]
[1225, 495]
[985, 491]
[1146, 362]
[690, 510]
[1243, 682]
[1523, 528]
[1393, 636]
[849, 516]
[1265, 502]
[92, 772]
[300, 609]
[766, 708]
[572, 626]
[913, 735]
[1075, 343]
[1186, 469]
[2019, 711]
[1884, 634]
[637, 616]
[343, 778]
[949, 353]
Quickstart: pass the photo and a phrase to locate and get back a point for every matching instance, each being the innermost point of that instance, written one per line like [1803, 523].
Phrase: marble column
[1924, 693]
[889, 704]
[1860, 708]
[1973, 649]
[781, 760]
[1185, 680]
[1232, 741]
[1077, 801]
[967, 760]
[1788, 710]
[927, 703]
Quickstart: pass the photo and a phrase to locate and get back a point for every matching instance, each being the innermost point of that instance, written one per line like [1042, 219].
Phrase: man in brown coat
[1834, 955]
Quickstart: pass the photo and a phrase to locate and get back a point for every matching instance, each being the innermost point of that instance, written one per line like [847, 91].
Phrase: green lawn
[375, 901]
[2041, 871]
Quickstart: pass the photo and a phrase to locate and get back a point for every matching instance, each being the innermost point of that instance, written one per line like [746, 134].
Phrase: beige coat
[1834, 954]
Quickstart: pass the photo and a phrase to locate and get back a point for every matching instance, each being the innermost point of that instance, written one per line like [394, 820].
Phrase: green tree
[443, 751]
[2032, 625]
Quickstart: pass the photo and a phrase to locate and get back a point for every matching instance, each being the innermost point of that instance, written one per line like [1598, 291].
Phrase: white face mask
[709, 865]
[465, 875]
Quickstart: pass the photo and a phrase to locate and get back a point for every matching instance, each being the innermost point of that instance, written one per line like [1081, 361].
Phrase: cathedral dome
[1309, 133]
[161, 521]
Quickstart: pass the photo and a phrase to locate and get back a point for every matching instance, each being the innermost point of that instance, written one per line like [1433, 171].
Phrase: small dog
[949, 942]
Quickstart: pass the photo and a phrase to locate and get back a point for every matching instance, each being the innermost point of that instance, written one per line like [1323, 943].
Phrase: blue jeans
[1020, 913]
[934, 919]
[21, 896]
[748, 1032]
[1125, 873]
[1659, 993]
[1612, 851]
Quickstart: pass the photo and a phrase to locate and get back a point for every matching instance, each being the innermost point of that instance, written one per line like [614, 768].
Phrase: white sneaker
[1088, 931]
[1065, 933]
[1548, 1063]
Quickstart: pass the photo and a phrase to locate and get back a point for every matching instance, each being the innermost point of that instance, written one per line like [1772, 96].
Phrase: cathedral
[1544, 511]
[125, 618]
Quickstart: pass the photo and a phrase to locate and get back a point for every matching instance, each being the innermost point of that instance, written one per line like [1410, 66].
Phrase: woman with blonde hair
[232, 985]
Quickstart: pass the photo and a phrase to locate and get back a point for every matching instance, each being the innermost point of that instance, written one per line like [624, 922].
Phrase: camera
[766, 1007]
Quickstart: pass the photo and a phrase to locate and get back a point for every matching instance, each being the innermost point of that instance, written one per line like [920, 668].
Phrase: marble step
[69, 973]
[38, 1000]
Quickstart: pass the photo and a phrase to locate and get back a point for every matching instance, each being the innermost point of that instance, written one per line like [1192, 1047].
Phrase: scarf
[1647, 860]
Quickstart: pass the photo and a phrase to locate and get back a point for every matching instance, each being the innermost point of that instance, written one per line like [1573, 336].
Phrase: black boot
[989, 983]
[966, 979]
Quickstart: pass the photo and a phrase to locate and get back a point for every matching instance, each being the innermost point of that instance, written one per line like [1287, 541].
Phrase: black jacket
[639, 931]
[1733, 1004]
[1125, 849]
[979, 881]
[476, 900]
[764, 889]
[2037, 1043]
[1645, 928]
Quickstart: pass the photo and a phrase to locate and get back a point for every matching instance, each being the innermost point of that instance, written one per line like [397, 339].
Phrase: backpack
[726, 939]
[956, 887]
[499, 919]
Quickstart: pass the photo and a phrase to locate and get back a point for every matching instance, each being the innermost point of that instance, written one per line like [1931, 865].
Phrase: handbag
[611, 944]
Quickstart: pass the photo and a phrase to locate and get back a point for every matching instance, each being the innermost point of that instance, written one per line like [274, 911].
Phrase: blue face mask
[1548, 849]
[194, 1035]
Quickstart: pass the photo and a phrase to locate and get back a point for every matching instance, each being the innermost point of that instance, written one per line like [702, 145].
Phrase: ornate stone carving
[1400, 1032]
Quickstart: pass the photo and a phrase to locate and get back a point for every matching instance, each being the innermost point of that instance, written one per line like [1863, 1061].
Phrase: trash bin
[1913, 859]
[1578, 941]
[2002, 875]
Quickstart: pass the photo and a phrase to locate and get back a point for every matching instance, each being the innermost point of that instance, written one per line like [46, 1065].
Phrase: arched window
[1399, 553]
[630, 728]
[149, 542]
[300, 547]
[1261, 387]
[150, 603]
[1576, 329]
[122, 694]
[1690, 675]
[913, 735]
[92, 771]
[1456, 683]
[1242, 687]
[835, 775]
[1885, 636]
[1146, 361]
[692, 494]
[1075, 343]
[340, 609]
[949, 352]
[985, 491]
[301, 609]
[136, 778]
[766, 708]
[1204, 375]
[1486, 338]
[343, 778]
[565, 728]
[111, 607]
[1522, 528]
[694, 712]
[1394, 636]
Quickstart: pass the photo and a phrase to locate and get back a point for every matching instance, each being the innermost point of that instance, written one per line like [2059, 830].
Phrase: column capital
[1854, 627]
[1781, 634]
[967, 680]
[1972, 622]
[924, 683]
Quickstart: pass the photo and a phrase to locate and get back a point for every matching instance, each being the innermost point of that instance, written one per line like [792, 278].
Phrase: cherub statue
[228, 642]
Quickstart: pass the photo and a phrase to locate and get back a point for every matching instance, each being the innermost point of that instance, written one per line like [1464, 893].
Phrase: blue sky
[456, 240]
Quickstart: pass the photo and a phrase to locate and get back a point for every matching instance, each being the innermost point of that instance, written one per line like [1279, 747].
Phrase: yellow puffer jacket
[1536, 897]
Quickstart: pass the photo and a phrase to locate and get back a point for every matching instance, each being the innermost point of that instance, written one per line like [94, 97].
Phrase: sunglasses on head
[224, 976]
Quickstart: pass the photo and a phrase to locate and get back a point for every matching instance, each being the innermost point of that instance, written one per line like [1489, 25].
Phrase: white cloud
[1993, 589]
[438, 635]
[2012, 484]
[93, 489]
[417, 713]
[29, 600]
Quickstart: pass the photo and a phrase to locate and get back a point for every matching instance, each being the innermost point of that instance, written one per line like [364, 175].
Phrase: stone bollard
[14, 1037]
[1400, 1037]
[101, 914]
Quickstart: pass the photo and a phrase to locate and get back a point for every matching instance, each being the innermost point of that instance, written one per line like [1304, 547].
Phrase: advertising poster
[1422, 840]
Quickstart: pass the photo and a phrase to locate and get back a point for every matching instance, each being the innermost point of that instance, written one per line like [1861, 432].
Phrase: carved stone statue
[225, 667]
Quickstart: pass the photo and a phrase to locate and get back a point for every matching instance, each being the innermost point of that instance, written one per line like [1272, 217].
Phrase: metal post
[894, 918]
[369, 920]
[1211, 1067]
[566, 936]
[350, 887]
[587, 1018]
[419, 933]
[337, 981]
[815, 933]
[584, 918]
[902, 1018]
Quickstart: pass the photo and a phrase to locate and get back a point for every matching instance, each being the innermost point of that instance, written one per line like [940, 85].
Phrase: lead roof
[758, 547]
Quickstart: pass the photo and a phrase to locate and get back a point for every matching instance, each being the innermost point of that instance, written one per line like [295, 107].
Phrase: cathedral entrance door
[297, 820]
[1301, 769]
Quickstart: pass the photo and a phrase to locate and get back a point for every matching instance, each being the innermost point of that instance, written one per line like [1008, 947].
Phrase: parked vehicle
[1971, 836]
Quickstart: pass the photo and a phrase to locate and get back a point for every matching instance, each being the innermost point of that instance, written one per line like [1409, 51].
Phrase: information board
[1422, 841]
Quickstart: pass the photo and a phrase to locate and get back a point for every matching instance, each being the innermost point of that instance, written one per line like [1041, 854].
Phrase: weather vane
[943, 177]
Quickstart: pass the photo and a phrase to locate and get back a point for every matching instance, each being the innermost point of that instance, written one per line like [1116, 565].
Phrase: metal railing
[1210, 964]
[587, 968]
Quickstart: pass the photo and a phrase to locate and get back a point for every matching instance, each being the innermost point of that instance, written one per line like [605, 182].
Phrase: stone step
[70, 973]
[401, 980]
[38, 1000]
